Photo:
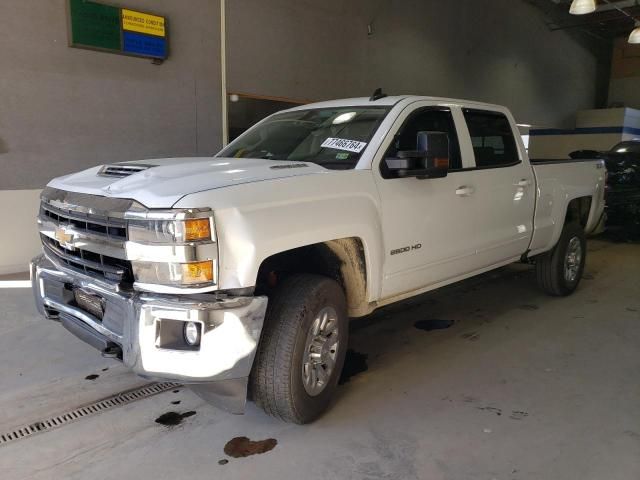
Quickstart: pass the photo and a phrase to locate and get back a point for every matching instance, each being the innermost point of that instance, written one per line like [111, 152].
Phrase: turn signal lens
[197, 229]
[197, 272]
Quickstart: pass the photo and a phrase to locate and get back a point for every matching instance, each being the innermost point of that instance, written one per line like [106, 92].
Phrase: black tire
[276, 383]
[550, 267]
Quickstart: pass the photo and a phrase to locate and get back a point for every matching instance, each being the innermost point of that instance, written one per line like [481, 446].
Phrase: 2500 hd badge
[417, 246]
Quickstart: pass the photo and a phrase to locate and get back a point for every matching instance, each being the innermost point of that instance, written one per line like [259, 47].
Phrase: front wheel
[302, 349]
[559, 271]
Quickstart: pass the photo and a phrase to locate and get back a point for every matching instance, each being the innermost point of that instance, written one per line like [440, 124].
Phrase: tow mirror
[429, 160]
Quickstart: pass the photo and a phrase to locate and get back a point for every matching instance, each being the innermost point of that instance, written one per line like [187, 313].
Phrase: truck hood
[167, 180]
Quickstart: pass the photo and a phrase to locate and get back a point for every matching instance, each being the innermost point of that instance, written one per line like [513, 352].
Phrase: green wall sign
[94, 25]
[118, 30]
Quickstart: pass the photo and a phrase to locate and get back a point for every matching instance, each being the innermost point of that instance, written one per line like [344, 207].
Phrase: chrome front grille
[90, 223]
[89, 239]
[89, 263]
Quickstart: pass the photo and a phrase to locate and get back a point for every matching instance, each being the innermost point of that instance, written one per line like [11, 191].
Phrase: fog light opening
[191, 333]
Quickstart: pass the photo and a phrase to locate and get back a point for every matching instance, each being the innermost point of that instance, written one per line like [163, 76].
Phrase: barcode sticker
[343, 144]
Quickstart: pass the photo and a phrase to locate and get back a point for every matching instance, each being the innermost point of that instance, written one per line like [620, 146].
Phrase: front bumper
[134, 323]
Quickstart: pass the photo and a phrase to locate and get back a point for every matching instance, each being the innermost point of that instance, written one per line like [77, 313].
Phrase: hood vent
[121, 170]
[291, 165]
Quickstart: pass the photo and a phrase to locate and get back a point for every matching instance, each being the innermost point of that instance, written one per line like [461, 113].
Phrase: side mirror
[429, 160]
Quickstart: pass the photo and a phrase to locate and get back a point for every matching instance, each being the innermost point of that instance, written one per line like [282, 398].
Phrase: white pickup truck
[237, 274]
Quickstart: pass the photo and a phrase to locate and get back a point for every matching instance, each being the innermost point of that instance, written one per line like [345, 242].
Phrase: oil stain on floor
[171, 419]
[529, 307]
[240, 447]
[354, 363]
[471, 336]
[433, 324]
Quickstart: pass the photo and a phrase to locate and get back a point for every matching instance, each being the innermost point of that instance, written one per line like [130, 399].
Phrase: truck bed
[565, 179]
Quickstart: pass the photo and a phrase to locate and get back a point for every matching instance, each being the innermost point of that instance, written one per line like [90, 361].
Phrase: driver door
[428, 224]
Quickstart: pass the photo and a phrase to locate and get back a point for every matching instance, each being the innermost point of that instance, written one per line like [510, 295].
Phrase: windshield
[632, 146]
[333, 138]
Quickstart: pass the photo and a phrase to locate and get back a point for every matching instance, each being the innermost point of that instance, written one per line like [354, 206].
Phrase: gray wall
[625, 91]
[497, 51]
[624, 88]
[63, 109]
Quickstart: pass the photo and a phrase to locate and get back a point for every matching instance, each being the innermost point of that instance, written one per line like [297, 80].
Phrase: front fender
[257, 220]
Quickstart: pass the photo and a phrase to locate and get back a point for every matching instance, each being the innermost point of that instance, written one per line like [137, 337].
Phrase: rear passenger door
[503, 188]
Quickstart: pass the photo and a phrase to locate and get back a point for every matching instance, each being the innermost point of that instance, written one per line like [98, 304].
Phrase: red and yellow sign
[142, 23]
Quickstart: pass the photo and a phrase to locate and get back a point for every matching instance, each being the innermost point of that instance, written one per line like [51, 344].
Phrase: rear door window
[492, 138]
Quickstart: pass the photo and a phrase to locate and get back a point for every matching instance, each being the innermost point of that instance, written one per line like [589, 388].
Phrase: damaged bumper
[145, 330]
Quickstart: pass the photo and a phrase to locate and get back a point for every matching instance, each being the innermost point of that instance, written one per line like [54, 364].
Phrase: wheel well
[578, 211]
[342, 259]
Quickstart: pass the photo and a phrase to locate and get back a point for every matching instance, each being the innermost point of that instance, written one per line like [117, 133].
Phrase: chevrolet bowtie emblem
[64, 238]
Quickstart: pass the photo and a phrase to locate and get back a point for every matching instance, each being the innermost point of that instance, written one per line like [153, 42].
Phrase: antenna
[377, 95]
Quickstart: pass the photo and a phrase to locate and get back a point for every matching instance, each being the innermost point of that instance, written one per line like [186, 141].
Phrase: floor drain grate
[122, 398]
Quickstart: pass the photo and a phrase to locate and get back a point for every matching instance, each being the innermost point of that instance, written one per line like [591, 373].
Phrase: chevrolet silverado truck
[237, 274]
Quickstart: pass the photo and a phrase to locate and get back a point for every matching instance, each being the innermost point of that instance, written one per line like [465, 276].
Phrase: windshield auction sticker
[342, 144]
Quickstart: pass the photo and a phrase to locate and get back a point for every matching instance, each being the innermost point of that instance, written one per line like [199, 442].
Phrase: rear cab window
[492, 138]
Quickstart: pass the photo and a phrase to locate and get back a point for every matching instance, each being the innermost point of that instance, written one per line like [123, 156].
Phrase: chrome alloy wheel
[320, 351]
[572, 260]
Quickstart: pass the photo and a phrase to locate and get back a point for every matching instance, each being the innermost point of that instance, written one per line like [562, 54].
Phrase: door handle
[465, 191]
[525, 182]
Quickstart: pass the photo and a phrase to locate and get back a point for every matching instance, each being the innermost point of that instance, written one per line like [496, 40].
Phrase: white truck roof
[392, 100]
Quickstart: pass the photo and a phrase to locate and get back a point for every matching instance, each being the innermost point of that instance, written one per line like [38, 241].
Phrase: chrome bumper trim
[231, 326]
[85, 317]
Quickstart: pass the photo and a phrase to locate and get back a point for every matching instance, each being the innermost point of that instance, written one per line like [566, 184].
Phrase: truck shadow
[417, 338]
[460, 311]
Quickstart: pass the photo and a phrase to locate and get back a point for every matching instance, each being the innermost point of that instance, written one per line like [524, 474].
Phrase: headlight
[172, 248]
[175, 274]
[170, 231]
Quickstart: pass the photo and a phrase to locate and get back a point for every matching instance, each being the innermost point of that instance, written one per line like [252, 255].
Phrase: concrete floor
[521, 386]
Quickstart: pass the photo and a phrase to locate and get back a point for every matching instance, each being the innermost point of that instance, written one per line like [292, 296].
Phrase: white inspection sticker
[342, 144]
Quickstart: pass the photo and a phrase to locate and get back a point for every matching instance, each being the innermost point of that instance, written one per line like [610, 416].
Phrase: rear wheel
[302, 349]
[559, 271]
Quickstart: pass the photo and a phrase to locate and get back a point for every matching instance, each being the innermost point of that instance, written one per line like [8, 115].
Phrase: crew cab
[237, 274]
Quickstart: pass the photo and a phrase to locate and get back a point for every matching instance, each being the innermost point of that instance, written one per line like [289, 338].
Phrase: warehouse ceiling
[606, 23]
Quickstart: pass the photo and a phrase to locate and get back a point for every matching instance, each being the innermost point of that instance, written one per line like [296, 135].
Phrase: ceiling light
[582, 7]
[635, 35]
